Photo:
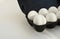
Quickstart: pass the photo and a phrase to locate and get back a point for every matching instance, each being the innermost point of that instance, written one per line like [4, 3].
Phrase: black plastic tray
[28, 5]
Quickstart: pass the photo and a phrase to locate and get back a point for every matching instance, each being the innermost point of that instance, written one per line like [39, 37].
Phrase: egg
[51, 17]
[43, 11]
[39, 20]
[58, 14]
[59, 8]
[32, 14]
[58, 17]
[53, 9]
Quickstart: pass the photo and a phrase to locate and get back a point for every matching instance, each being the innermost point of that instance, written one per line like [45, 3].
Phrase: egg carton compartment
[51, 25]
[58, 22]
[38, 28]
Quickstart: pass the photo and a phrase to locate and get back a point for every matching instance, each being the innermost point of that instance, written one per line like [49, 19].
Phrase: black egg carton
[58, 22]
[28, 5]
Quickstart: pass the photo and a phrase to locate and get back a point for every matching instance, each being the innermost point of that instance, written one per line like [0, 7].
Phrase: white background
[13, 24]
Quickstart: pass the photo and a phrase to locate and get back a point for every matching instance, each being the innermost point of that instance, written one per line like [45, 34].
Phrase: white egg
[39, 20]
[43, 11]
[59, 8]
[51, 17]
[53, 9]
[32, 14]
[58, 14]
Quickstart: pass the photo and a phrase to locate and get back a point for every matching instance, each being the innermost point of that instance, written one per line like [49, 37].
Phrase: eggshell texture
[58, 15]
[32, 14]
[39, 20]
[43, 11]
[53, 9]
[51, 17]
[59, 8]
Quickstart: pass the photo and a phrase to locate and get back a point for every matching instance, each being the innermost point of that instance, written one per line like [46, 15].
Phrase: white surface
[13, 24]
